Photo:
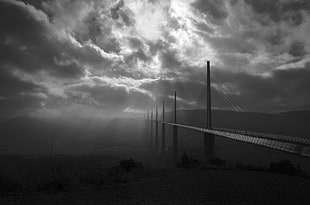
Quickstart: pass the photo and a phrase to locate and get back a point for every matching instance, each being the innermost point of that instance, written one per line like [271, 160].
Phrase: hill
[27, 135]
[287, 123]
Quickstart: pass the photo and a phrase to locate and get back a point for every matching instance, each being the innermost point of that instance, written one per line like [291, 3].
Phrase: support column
[156, 129]
[163, 132]
[147, 133]
[209, 141]
[175, 131]
[151, 138]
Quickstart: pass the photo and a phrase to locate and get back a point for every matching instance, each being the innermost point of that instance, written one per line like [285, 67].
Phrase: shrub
[129, 164]
[187, 162]
[126, 171]
[217, 162]
[53, 185]
[7, 185]
[254, 168]
[283, 167]
[93, 174]
[240, 166]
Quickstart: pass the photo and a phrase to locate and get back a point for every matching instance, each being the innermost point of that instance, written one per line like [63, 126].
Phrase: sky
[107, 58]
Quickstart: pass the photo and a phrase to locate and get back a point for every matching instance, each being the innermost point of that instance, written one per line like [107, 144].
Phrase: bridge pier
[151, 136]
[175, 131]
[147, 131]
[156, 130]
[163, 132]
[175, 144]
[209, 144]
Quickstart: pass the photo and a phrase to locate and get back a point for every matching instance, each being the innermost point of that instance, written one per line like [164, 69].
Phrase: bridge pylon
[209, 139]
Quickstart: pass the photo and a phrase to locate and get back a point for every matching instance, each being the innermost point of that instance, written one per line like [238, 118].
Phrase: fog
[28, 135]
[128, 137]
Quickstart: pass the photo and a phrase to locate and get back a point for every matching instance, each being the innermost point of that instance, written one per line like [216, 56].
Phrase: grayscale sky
[103, 58]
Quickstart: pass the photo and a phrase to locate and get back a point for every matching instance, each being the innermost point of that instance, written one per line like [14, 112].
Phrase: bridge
[289, 144]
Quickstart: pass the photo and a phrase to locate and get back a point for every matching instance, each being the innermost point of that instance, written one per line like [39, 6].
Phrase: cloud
[149, 17]
[304, 63]
[273, 94]
[28, 46]
[126, 56]
[18, 96]
[134, 110]
[216, 10]
[12, 86]
[280, 11]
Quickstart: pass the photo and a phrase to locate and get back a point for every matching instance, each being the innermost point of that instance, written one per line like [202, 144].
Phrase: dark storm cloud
[11, 86]
[273, 94]
[158, 46]
[169, 60]
[137, 55]
[36, 3]
[212, 8]
[17, 96]
[111, 98]
[188, 87]
[94, 28]
[297, 49]
[135, 42]
[230, 44]
[202, 27]
[28, 46]
[129, 55]
[281, 10]
[118, 11]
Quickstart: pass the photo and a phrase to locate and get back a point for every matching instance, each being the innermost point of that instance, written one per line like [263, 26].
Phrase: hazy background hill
[288, 123]
[26, 135]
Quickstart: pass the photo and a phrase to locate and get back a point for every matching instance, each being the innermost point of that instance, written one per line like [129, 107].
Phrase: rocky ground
[180, 186]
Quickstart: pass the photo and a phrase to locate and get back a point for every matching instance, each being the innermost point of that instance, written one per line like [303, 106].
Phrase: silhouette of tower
[209, 140]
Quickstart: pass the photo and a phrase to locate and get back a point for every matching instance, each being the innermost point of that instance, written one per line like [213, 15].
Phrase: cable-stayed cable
[232, 100]
[232, 103]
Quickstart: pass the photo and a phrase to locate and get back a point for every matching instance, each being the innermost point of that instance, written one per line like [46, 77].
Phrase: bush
[217, 162]
[126, 171]
[53, 185]
[283, 167]
[249, 167]
[129, 164]
[240, 166]
[254, 168]
[92, 175]
[187, 162]
[7, 185]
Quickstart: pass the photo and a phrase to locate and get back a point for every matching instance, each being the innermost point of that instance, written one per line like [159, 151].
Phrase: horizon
[141, 116]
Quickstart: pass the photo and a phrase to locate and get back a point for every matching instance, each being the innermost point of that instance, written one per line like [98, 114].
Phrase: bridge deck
[299, 146]
[282, 138]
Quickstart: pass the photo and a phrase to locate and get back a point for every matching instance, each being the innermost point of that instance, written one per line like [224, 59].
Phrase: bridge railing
[282, 138]
[273, 143]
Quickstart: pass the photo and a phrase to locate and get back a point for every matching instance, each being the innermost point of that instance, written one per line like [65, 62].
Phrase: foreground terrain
[133, 183]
